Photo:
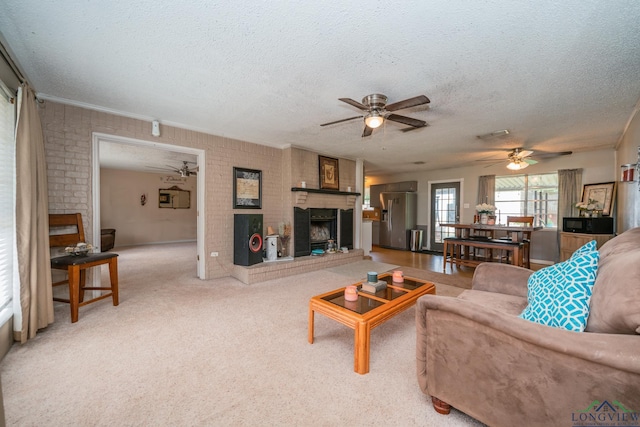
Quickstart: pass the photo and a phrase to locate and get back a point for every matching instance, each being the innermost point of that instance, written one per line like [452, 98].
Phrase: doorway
[99, 138]
[445, 208]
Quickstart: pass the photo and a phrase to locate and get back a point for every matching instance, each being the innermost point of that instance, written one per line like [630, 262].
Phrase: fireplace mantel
[303, 192]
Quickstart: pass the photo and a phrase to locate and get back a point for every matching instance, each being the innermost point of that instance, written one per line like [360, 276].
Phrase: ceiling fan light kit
[516, 165]
[374, 120]
[377, 111]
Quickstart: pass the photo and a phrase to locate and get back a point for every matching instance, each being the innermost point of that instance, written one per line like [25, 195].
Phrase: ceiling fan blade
[530, 161]
[354, 103]
[491, 160]
[367, 131]
[523, 153]
[407, 120]
[411, 102]
[549, 155]
[340, 121]
[413, 128]
[494, 163]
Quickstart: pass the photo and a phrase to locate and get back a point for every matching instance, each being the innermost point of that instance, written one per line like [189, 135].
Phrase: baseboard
[430, 252]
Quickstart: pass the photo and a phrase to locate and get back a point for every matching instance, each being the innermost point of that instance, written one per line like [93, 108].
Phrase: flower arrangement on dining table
[485, 208]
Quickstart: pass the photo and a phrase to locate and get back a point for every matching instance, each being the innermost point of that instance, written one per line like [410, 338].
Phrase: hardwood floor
[416, 260]
[422, 260]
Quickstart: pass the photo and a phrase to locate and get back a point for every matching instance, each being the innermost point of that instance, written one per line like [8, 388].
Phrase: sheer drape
[32, 222]
[487, 189]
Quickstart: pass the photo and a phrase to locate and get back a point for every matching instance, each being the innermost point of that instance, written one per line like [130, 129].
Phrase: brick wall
[68, 134]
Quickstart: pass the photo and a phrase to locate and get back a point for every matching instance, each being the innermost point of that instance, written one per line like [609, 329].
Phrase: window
[7, 208]
[528, 195]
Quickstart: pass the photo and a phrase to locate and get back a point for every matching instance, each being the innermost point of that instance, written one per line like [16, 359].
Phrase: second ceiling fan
[184, 171]
[377, 111]
[520, 158]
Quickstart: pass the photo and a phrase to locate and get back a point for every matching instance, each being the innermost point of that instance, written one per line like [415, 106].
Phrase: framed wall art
[247, 188]
[329, 173]
[601, 195]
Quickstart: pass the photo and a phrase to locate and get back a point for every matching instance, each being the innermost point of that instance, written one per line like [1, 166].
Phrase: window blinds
[7, 204]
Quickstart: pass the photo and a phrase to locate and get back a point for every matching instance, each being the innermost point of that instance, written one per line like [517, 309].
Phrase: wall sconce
[155, 128]
[628, 173]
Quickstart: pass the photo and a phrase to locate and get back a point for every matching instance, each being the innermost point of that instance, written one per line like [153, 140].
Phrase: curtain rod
[11, 64]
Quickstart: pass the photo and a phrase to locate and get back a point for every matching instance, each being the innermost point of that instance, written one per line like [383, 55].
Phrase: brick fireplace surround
[304, 198]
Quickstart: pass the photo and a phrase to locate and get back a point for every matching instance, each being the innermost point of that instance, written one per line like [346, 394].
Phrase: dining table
[468, 241]
[516, 232]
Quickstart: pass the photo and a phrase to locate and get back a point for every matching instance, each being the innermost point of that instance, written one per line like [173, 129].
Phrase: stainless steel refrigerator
[399, 213]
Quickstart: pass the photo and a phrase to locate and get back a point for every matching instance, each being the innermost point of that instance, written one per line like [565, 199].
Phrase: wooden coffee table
[368, 311]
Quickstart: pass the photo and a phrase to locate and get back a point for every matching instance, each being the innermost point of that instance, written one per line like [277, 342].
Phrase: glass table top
[366, 302]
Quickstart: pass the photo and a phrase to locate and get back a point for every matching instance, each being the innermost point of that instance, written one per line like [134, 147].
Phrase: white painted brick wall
[68, 136]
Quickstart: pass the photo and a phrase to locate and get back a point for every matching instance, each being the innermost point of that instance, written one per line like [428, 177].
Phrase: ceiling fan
[184, 170]
[377, 111]
[520, 158]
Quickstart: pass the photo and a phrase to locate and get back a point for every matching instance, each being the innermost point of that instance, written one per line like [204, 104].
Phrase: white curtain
[32, 222]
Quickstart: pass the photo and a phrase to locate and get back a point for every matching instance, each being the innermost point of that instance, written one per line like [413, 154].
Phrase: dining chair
[525, 221]
[66, 230]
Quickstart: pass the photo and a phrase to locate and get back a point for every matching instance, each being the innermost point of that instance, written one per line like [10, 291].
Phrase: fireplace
[314, 227]
[323, 226]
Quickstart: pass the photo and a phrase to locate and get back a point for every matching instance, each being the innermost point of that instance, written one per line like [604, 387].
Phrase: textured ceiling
[560, 75]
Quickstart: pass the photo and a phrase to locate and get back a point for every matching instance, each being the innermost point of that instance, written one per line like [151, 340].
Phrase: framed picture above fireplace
[247, 188]
[329, 173]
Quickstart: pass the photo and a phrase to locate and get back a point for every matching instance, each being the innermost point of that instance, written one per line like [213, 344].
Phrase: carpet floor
[179, 351]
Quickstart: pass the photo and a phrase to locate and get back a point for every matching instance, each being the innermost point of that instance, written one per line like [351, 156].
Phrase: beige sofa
[476, 355]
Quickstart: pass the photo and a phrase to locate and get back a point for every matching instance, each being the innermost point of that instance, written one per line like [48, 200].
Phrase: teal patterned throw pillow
[587, 247]
[541, 295]
[559, 295]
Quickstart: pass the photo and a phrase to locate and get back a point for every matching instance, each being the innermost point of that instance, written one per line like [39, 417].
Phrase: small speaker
[247, 236]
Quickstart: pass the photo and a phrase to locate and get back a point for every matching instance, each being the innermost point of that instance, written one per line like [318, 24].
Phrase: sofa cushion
[615, 305]
[503, 303]
[624, 243]
[559, 295]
